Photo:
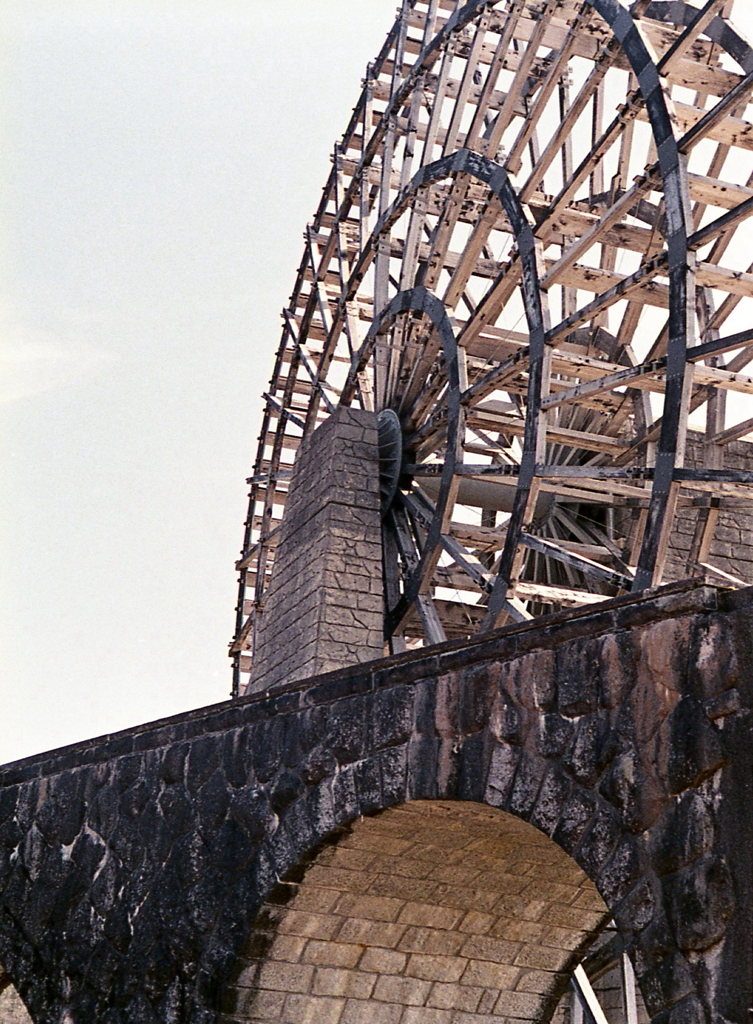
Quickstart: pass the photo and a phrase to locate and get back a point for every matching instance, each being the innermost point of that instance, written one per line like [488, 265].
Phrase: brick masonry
[323, 608]
[137, 871]
[732, 546]
[12, 1009]
[431, 913]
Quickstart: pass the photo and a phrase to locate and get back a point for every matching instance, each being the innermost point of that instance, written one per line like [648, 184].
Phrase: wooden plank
[589, 238]
[627, 286]
[563, 596]
[734, 282]
[708, 79]
[726, 576]
[595, 482]
[732, 131]
[689, 35]
[564, 129]
[706, 475]
[717, 346]
[554, 74]
[716, 119]
[631, 375]
[460, 619]
[720, 489]
[494, 379]
[649, 376]
[570, 221]
[592, 1009]
[719, 377]
[662, 34]
[485, 417]
[714, 192]
[594, 279]
[732, 433]
[578, 562]
[522, 72]
[466, 84]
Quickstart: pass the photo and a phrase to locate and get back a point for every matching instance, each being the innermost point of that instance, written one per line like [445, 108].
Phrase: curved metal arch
[463, 161]
[681, 284]
[673, 171]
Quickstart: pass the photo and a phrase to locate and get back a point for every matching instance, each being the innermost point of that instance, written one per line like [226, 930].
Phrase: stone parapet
[323, 606]
[139, 872]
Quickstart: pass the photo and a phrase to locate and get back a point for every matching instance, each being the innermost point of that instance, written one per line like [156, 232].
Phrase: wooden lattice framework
[529, 259]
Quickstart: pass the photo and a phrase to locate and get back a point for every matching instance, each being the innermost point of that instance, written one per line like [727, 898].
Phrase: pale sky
[161, 159]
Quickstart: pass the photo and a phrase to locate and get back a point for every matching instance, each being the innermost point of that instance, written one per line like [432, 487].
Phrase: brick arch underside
[12, 1009]
[434, 912]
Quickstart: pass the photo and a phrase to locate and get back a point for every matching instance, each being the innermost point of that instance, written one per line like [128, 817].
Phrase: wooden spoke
[531, 249]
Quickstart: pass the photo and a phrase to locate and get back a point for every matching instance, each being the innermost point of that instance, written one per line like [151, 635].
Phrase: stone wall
[133, 868]
[732, 546]
[323, 608]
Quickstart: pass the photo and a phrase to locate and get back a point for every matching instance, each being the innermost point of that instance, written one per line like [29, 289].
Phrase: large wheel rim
[454, 173]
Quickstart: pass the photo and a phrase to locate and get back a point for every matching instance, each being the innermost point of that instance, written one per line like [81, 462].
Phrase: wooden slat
[563, 596]
[714, 192]
[732, 433]
[734, 282]
[732, 131]
[486, 418]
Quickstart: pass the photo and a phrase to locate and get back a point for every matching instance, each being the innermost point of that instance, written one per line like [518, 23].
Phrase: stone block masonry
[139, 872]
[12, 1010]
[323, 607]
[732, 547]
[432, 913]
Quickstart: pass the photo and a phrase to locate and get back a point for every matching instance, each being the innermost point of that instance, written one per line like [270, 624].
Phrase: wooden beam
[689, 35]
[632, 375]
[578, 562]
[715, 118]
[713, 192]
[589, 238]
[732, 433]
[564, 596]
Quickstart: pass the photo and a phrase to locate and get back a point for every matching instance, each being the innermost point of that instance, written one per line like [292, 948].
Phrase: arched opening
[12, 1009]
[434, 912]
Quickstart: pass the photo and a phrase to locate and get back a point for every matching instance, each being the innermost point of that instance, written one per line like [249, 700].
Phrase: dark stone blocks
[694, 747]
[699, 901]
[131, 868]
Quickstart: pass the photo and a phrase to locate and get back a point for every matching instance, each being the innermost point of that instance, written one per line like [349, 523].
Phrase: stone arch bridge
[431, 839]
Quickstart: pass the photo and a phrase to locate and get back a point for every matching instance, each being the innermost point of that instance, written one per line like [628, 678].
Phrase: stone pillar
[323, 607]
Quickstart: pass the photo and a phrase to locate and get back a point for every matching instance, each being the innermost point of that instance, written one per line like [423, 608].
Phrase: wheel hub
[390, 456]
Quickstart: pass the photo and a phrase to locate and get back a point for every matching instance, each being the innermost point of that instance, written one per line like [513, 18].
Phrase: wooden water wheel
[529, 259]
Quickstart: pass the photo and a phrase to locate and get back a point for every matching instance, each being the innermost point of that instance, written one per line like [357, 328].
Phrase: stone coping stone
[692, 596]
